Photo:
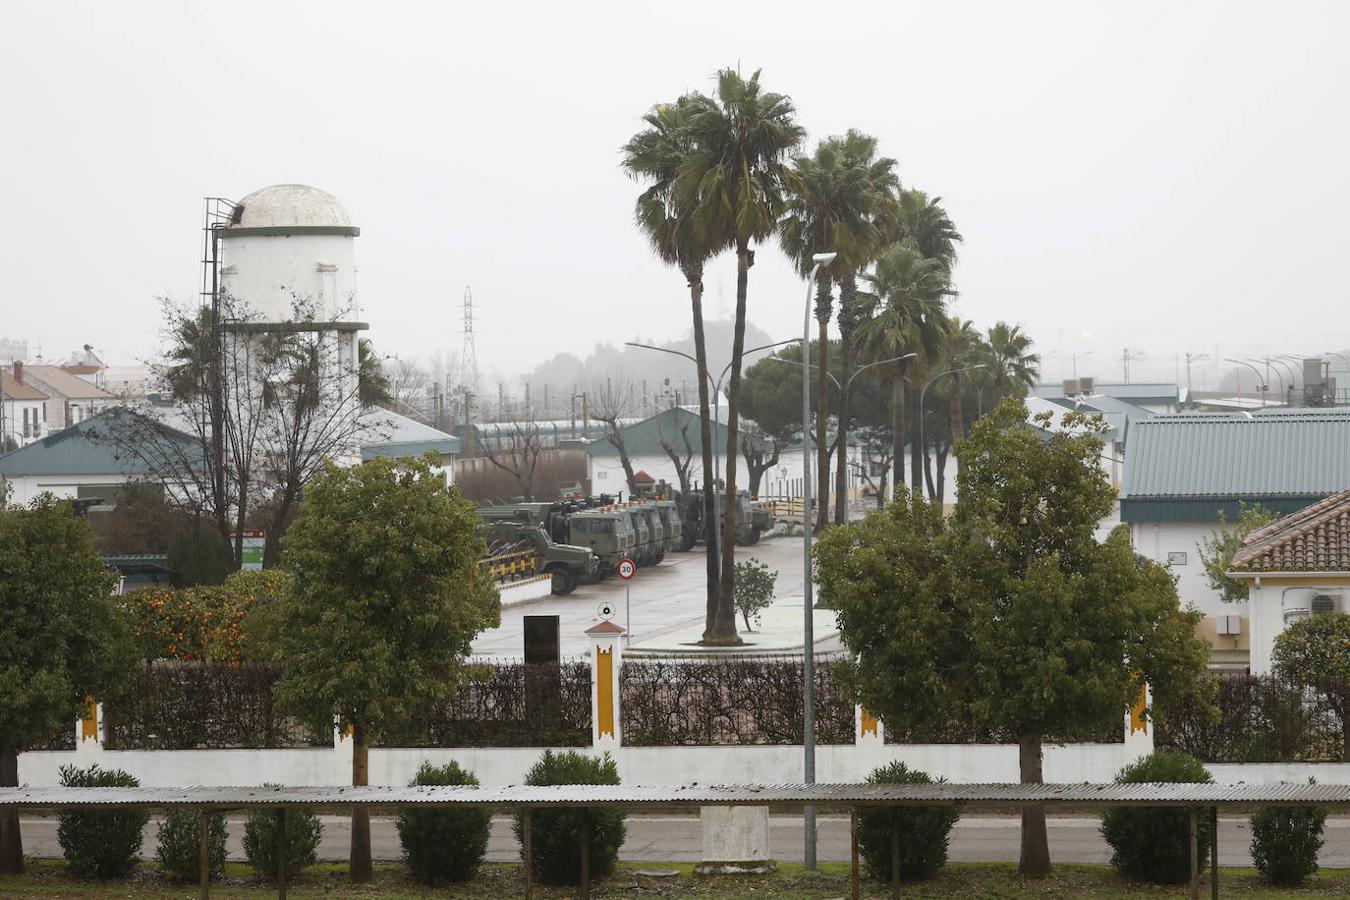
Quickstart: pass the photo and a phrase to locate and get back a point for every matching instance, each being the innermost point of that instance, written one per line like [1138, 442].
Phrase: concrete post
[735, 840]
[606, 658]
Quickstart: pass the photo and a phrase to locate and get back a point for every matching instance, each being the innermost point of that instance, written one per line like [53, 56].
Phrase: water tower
[283, 261]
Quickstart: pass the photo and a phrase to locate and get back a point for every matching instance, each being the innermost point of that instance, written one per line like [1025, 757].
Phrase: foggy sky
[1159, 176]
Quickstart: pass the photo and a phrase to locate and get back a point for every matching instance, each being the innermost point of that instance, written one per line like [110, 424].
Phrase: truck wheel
[688, 537]
[563, 582]
[746, 536]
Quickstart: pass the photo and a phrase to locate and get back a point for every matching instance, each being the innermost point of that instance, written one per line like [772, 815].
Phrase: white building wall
[27, 487]
[269, 273]
[15, 412]
[782, 479]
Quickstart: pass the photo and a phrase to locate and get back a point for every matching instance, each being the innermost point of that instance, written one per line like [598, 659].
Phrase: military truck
[751, 520]
[608, 532]
[567, 564]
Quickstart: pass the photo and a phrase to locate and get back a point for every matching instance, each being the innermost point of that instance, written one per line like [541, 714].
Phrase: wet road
[662, 598]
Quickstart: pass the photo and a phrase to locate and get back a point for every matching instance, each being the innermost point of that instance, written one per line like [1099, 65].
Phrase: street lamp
[1278, 376]
[808, 624]
[856, 372]
[923, 448]
[717, 410]
[1260, 379]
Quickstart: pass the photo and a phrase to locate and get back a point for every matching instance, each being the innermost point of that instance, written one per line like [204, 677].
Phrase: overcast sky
[1160, 176]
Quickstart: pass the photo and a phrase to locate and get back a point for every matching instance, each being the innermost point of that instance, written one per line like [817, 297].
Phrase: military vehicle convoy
[752, 520]
[641, 530]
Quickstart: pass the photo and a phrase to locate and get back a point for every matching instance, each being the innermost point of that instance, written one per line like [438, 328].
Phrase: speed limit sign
[627, 569]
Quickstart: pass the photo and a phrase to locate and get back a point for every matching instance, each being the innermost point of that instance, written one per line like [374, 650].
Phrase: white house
[1182, 470]
[21, 409]
[70, 398]
[1296, 567]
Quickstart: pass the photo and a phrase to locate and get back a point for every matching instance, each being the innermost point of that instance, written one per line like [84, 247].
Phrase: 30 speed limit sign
[627, 569]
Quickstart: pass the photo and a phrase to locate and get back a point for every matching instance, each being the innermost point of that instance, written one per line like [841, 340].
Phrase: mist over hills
[662, 373]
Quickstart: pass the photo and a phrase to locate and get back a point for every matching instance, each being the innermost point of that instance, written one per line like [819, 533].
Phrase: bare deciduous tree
[612, 402]
[516, 449]
[682, 459]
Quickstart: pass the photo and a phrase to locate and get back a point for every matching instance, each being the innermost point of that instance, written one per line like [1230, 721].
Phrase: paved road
[663, 598]
[670, 838]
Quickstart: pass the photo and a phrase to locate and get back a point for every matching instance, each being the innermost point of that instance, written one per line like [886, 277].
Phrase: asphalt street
[671, 838]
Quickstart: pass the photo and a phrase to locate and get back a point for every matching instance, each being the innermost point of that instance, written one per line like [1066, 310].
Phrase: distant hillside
[565, 370]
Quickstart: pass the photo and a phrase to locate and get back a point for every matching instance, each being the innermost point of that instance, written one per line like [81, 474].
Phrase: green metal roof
[88, 448]
[1185, 467]
[644, 438]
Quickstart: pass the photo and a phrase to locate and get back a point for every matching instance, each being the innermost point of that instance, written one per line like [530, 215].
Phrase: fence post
[606, 657]
[1138, 728]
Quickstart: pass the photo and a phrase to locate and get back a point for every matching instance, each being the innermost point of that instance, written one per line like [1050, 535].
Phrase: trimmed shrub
[177, 852]
[1154, 843]
[1286, 841]
[443, 845]
[303, 831]
[100, 843]
[555, 834]
[924, 830]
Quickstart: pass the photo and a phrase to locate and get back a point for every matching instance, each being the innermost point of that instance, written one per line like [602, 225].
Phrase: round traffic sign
[627, 569]
[606, 610]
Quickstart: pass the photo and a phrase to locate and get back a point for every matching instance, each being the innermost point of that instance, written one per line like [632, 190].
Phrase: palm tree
[837, 196]
[907, 293]
[962, 346]
[1013, 367]
[732, 185]
[656, 156]
[923, 221]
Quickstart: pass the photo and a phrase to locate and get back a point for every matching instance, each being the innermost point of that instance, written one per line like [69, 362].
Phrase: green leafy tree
[62, 637]
[1316, 652]
[1217, 550]
[385, 599]
[754, 588]
[1009, 612]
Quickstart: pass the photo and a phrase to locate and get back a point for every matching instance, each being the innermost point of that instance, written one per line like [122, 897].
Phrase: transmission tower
[468, 355]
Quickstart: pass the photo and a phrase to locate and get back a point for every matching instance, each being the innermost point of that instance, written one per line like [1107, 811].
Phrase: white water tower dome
[290, 205]
[289, 246]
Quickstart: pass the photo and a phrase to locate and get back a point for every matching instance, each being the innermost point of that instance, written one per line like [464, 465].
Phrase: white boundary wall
[497, 766]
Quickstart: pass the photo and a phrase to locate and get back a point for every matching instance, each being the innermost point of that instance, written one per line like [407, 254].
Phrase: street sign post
[627, 569]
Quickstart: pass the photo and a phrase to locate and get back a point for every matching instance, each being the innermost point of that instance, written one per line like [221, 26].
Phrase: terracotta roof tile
[1314, 539]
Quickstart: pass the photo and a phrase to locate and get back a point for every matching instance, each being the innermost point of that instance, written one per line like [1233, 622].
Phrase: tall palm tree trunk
[916, 449]
[725, 626]
[848, 324]
[824, 301]
[898, 429]
[694, 273]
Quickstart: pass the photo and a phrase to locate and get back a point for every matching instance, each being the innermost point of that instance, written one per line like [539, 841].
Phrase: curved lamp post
[923, 447]
[717, 408]
[1260, 379]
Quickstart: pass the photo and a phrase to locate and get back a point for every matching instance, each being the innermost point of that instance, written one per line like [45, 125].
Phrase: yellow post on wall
[606, 659]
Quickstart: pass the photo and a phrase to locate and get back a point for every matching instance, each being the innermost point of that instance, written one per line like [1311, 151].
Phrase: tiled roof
[18, 390]
[1314, 539]
[66, 384]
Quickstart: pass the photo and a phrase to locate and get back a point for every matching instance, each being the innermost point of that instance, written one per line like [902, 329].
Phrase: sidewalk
[779, 630]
